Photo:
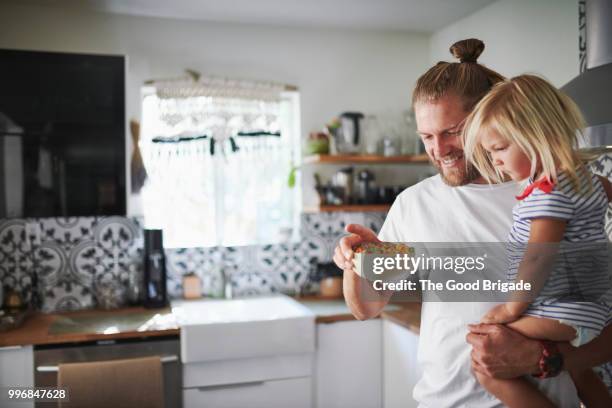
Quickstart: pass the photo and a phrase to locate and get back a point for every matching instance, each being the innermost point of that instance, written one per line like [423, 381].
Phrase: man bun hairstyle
[467, 79]
[467, 50]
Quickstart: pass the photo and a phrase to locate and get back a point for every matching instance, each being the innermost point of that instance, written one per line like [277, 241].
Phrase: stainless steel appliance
[48, 357]
[365, 188]
[592, 89]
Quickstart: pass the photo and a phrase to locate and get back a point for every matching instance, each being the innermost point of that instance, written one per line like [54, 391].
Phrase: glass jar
[408, 136]
[390, 147]
[371, 134]
[109, 294]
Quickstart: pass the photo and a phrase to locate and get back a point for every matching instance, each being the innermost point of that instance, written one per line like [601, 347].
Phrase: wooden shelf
[364, 159]
[349, 208]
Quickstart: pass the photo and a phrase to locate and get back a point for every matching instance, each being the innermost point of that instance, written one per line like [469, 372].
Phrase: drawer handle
[10, 348]
[54, 369]
[226, 386]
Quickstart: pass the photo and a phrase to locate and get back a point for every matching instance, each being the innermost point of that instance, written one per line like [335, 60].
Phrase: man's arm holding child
[500, 352]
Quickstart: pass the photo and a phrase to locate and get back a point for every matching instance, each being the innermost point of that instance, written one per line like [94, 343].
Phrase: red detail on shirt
[543, 184]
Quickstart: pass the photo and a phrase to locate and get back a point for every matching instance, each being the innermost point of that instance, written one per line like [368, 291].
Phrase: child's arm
[544, 236]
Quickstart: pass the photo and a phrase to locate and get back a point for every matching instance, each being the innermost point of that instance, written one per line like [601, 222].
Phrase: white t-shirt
[432, 211]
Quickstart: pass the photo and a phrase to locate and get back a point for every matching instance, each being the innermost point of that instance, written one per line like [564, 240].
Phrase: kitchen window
[217, 155]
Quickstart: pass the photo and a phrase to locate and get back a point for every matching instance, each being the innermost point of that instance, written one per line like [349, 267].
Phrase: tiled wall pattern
[73, 262]
[262, 269]
[603, 167]
[79, 263]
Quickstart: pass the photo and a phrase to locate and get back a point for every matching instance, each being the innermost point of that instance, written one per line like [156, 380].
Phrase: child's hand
[499, 314]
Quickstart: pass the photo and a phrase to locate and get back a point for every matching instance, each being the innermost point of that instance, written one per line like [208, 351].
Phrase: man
[454, 206]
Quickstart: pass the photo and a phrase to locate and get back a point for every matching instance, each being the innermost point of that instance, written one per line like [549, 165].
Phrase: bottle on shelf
[371, 135]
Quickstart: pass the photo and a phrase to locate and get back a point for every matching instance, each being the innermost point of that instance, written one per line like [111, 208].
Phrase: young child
[527, 129]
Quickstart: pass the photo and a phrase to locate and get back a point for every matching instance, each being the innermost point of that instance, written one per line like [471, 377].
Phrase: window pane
[229, 198]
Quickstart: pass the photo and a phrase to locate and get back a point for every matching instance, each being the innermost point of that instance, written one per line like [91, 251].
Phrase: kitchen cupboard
[16, 370]
[348, 364]
[400, 369]
[246, 352]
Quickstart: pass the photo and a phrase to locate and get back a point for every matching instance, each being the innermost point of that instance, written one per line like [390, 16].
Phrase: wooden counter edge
[409, 316]
[344, 317]
[87, 337]
[35, 331]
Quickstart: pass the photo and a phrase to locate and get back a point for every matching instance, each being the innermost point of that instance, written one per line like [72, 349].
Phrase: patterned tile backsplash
[84, 262]
[69, 260]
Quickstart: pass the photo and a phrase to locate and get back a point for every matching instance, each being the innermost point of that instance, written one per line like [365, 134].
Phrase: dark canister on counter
[154, 282]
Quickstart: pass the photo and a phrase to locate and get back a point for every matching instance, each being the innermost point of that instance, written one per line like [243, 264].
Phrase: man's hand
[363, 301]
[343, 253]
[500, 352]
[498, 315]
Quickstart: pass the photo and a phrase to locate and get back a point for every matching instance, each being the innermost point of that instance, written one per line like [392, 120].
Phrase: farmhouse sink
[238, 328]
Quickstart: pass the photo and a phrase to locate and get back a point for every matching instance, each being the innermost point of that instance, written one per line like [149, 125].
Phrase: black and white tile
[204, 262]
[70, 258]
[329, 228]
[288, 265]
[250, 283]
[85, 262]
[15, 258]
[603, 167]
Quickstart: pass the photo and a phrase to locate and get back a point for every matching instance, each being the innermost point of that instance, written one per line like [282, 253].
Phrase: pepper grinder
[155, 291]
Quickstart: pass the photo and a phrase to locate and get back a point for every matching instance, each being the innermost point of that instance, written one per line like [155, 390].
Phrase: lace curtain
[218, 158]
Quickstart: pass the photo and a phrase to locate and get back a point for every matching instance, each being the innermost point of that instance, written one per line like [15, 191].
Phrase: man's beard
[457, 176]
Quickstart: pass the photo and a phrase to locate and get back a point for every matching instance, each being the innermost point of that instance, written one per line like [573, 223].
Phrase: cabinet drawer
[291, 392]
[247, 370]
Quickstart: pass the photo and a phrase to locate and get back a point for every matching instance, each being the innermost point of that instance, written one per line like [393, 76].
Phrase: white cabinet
[400, 369]
[271, 382]
[250, 352]
[349, 364]
[17, 370]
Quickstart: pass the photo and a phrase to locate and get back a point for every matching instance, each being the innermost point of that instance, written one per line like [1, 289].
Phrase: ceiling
[401, 15]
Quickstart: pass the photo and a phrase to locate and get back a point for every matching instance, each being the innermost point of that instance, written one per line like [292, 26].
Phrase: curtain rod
[194, 76]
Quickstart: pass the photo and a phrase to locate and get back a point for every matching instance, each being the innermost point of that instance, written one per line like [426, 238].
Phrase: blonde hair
[467, 79]
[543, 122]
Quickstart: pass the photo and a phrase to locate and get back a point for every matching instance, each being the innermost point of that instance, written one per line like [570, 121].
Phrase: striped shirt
[578, 288]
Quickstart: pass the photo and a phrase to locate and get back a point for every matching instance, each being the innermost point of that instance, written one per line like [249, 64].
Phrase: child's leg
[592, 391]
[516, 392]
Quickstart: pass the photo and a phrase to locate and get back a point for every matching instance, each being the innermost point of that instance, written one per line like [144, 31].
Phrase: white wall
[335, 70]
[535, 36]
